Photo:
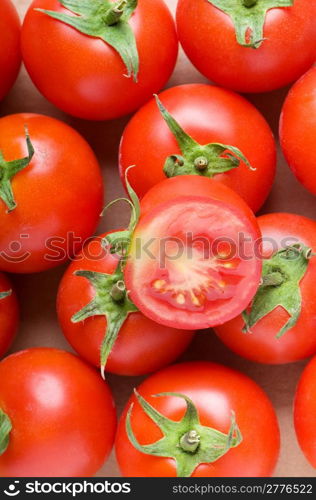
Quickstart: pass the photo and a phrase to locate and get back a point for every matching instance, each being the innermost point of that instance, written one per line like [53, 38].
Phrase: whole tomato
[249, 45]
[9, 314]
[192, 261]
[51, 192]
[89, 312]
[298, 129]
[281, 323]
[212, 422]
[58, 414]
[305, 410]
[104, 64]
[208, 115]
[10, 54]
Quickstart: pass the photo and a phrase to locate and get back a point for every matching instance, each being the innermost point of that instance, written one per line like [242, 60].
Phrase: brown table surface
[38, 292]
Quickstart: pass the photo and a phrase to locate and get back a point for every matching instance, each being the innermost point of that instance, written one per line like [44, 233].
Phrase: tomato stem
[114, 14]
[5, 429]
[201, 163]
[3, 295]
[275, 278]
[118, 291]
[190, 441]
[249, 3]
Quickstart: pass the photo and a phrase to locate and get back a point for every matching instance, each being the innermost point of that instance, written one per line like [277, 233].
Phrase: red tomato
[192, 261]
[9, 314]
[298, 129]
[59, 195]
[209, 115]
[62, 415]
[83, 75]
[299, 342]
[10, 56]
[305, 411]
[150, 346]
[216, 391]
[208, 37]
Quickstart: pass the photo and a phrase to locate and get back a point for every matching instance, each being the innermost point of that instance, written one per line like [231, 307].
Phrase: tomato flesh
[185, 268]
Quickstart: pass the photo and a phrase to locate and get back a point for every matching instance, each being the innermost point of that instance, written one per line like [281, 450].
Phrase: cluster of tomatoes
[197, 162]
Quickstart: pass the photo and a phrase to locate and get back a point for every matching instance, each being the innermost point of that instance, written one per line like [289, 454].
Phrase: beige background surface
[37, 293]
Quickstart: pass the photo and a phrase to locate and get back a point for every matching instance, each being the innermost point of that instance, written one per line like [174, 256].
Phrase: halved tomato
[192, 261]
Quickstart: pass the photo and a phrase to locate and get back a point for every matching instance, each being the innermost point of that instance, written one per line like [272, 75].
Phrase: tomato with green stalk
[99, 59]
[10, 54]
[279, 325]
[249, 45]
[198, 419]
[204, 130]
[9, 314]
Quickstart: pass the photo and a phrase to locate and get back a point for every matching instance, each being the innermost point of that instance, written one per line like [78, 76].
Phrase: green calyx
[280, 286]
[111, 297]
[196, 159]
[3, 295]
[248, 17]
[106, 20]
[5, 429]
[187, 441]
[8, 169]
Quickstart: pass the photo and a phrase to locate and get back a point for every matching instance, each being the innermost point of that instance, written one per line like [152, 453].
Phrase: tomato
[209, 38]
[150, 346]
[9, 314]
[298, 128]
[57, 196]
[305, 411]
[209, 115]
[192, 261]
[62, 415]
[261, 343]
[86, 77]
[10, 55]
[216, 392]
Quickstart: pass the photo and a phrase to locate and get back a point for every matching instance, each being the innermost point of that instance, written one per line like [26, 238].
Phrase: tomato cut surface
[192, 262]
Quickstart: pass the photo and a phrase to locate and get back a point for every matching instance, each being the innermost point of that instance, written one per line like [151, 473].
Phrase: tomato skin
[140, 274]
[9, 315]
[93, 83]
[305, 410]
[298, 128]
[215, 390]
[208, 37]
[62, 182]
[208, 114]
[150, 346]
[261, 345]
[10, 54]
[69, 411]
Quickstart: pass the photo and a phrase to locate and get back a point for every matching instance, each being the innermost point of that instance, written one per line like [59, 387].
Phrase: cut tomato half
[193, 263]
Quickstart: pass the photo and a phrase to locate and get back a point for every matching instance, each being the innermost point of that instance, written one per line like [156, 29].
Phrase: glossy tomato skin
[216, 391]
[68, 409]
[10, 54]
[59, 195]
[166, 218]
[208, 37]
[208, 114]
[149, 346]
[9, 315]
[305, 410]
[261, 345]
[93, 83]
[298, 128]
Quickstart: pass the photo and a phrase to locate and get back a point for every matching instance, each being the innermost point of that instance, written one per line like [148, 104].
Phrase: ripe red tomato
[10, 55]
[58, 194]
[62, 415]
[192, 262]
[261, 343]
[216, 392]
[208, 36]
[9, 314]
[305, 410]
[298, 129]
[86, 77]
[150, 346]
[209, 115]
